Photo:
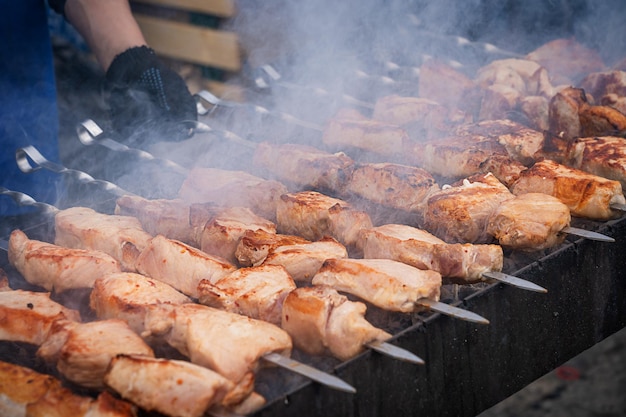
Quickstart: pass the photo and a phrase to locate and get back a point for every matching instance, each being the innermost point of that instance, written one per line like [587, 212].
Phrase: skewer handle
[25, 200]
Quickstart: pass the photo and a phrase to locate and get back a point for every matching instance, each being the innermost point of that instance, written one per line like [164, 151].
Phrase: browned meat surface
[303, 260]
[615, 101]
[228, 343]
[605, 156]
[122, 237]
[320, 320]
[255, 245]
[599, 84]
[222, 234]
[304, 166]
[463, 263]
[171, 387]
[56, 268]
[369, 135]
[529, 222]
[601, 121]
[180, 265]
[460, 214]
[256, 292]
[27, 316]
[313, 215]
[585, 194]
[388, 284]
[232, 189]
[536, 110]
[514, 73]
[505, 169]
[127, 295]
[26, 393]
[82, 351]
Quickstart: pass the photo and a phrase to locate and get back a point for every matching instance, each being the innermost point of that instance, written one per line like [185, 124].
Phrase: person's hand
[148, 101]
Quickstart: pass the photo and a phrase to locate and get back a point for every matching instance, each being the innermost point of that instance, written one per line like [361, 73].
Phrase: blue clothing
[28, 109]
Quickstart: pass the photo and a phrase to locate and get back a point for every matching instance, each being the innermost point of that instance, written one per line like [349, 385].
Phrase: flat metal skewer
[588, 234]
[395, 352]
[451, 311]
[514, 281]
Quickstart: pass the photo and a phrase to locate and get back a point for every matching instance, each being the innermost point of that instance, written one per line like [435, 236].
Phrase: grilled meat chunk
[122, 237]
[606, 157]
[171, 387]
[82, 351]
[600, 84]
[372, 136]
[180, 265]
[313, 215]
[320, 320]
[256, 292]
[462, 263]
[505, 169]
[585, 194]
[388, 284]
[56, 268]
[255, 245]
[228, 343]
[28, 316]
[529, 222]
[127, 295]
[232, 189]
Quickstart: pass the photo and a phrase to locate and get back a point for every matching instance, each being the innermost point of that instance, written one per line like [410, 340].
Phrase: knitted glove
[147, 100]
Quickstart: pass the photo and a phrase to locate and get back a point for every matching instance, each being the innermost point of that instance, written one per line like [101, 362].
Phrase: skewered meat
[303, 260]
[180, 265]
[321, 320]
[256, 292]
[600, 84]
[313, 215]
[505, 169]
[388, 284]
[585, 194]
[126, 296]
[122, 237]
[304, 166]
[615, 101]
[221, 235]
[536, 110]
[82, 351]
[28, 316]
[464, 263]
[228, 343]
[529, 222]
[601, 120]
[172, 387]
[24, 392]
[606, 157]
[255, 245]
[232, 189]
[56, 268]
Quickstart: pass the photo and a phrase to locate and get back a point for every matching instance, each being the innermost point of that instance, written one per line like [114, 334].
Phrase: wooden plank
[220, 8]
[182, 41]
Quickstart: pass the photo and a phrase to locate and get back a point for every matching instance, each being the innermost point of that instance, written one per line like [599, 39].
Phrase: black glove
[148, 101]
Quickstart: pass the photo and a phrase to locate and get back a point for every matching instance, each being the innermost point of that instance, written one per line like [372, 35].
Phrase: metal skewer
[451, 311]
[588, 234]
[395, 352]
[514, 281]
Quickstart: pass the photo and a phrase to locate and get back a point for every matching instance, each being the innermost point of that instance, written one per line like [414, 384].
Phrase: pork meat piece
[82, 351]
[313, 215]
[171, 387]
[232, 189]
[456, 262]
[122, 237]
[28, 316]
[257, 292]
[320, 321]
[606, 157]
[599, 84]
[222, 234]
[388, 284]
[585, 194]
[505, 169]
[255, 245]
[228, 343]
[304, 166]
[180, 265]
[56, 268]
[529, 222]
[601, 121]
[127, 295]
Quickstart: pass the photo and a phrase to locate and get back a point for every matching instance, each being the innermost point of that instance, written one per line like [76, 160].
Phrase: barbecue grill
[468, 367]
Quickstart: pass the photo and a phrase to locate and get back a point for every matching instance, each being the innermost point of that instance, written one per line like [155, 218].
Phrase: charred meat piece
[313, 215]
[585, 194]
[122, 237]
[232, 189]
[462, 263]
[180, 265]
[127, 296]
[222, 234]
[320, 320]
[387, 284]
[304, 166]
[601, 121]
[228, 343]
[257, 292]
[255, 245]
[605, 156]
[505, 169]
[56, 268]
[529, 222]
[28, 316]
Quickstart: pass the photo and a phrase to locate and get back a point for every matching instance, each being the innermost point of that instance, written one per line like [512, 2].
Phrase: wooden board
[220, 8]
